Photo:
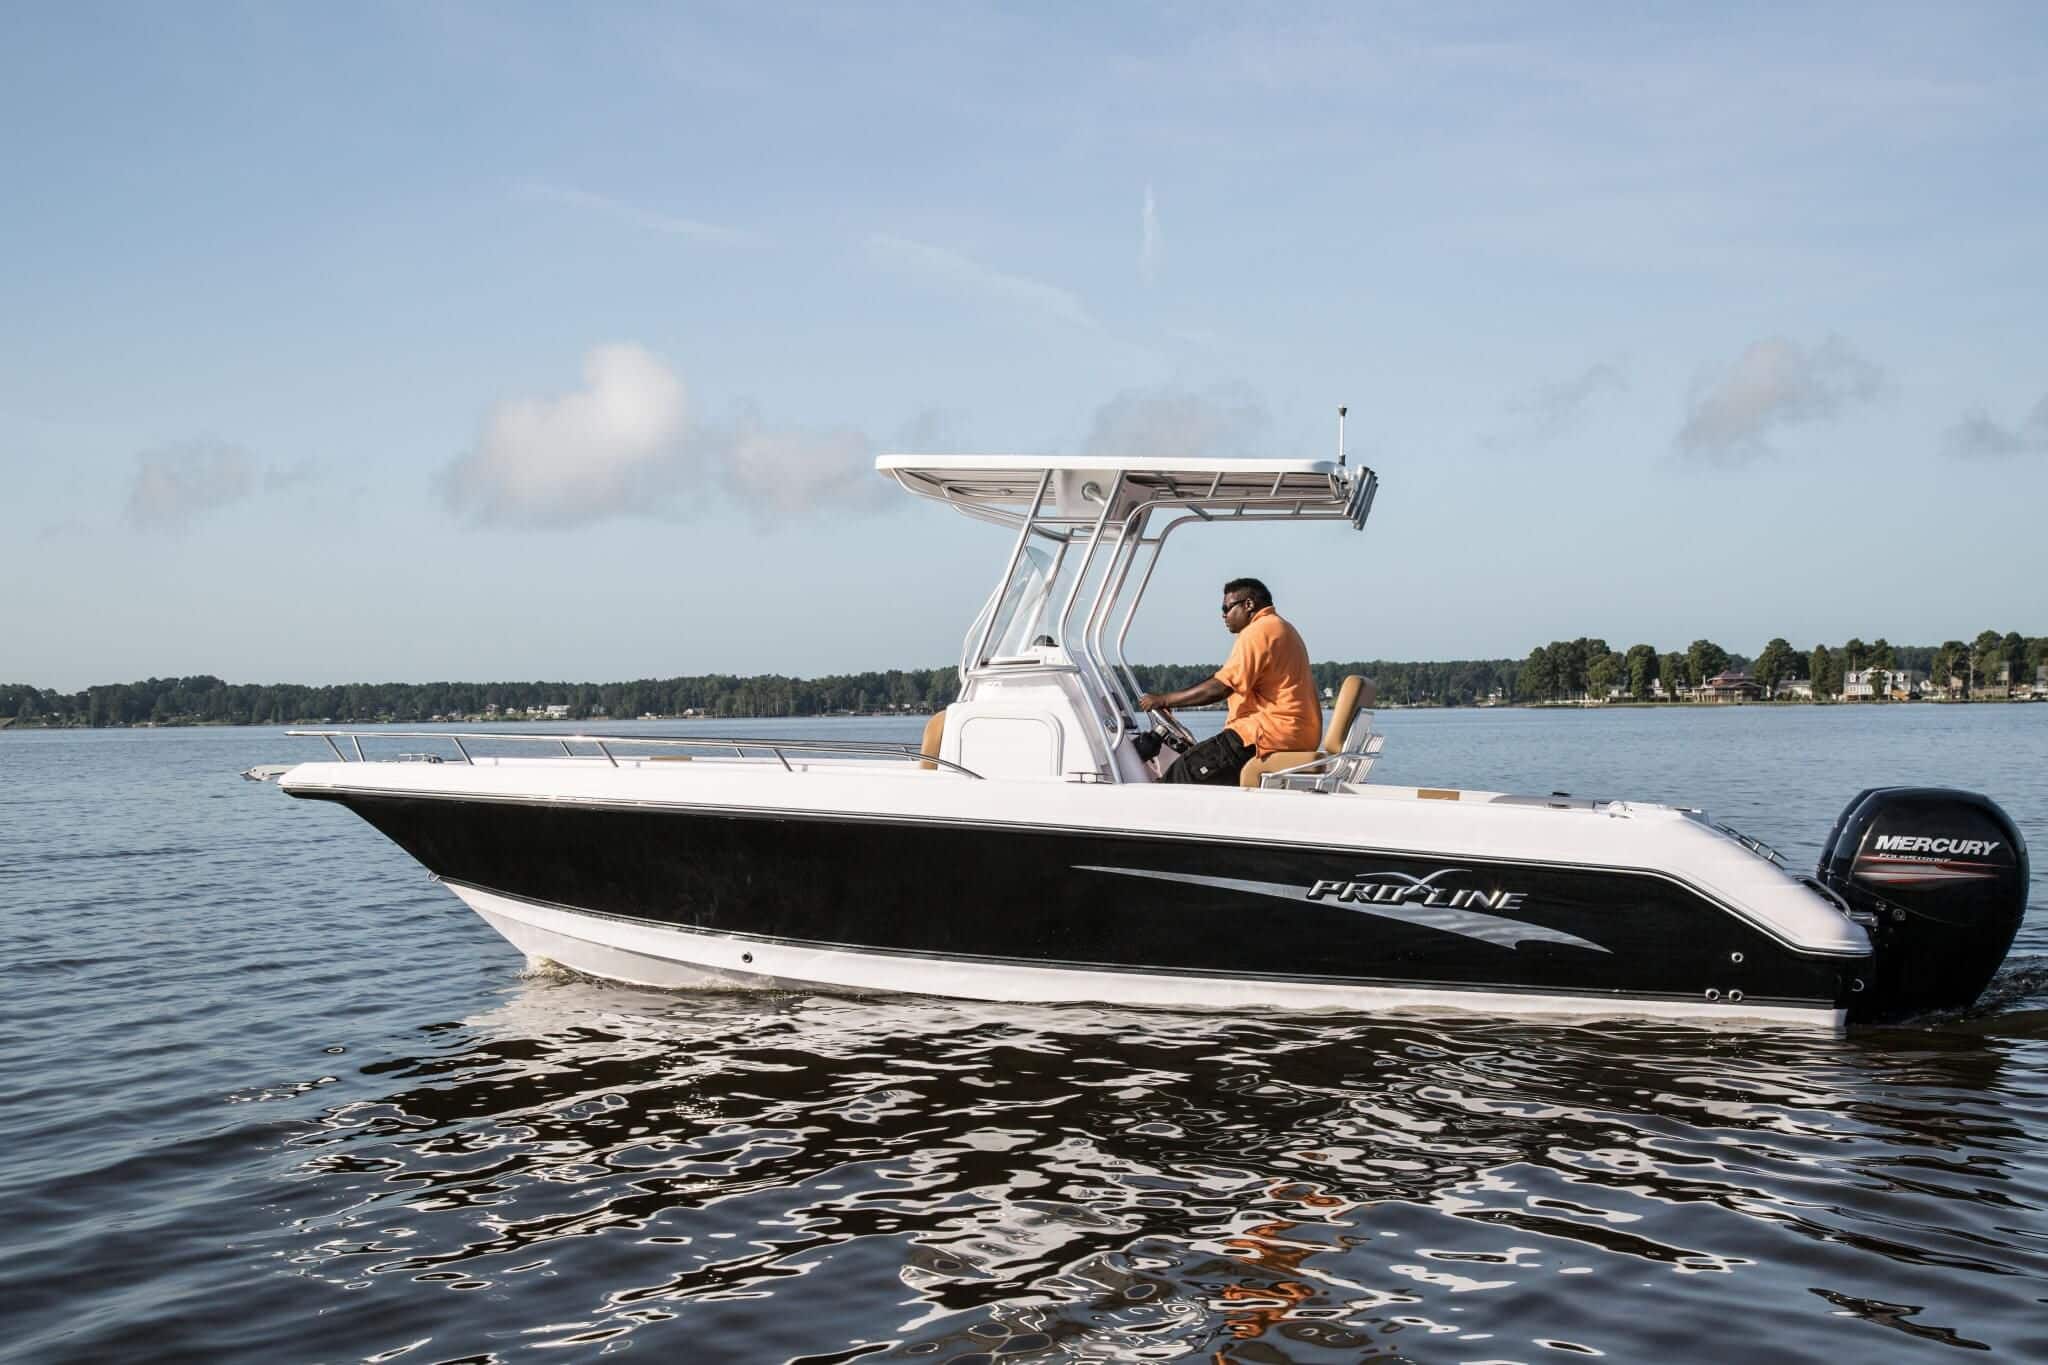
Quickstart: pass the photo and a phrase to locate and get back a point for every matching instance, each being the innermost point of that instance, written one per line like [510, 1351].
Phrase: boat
[1027, 851]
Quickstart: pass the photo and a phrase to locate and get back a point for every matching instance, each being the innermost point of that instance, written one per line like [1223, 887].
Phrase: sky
[405, 342]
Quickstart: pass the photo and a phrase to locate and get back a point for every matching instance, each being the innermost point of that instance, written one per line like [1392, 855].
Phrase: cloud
[1224, 420]
[624, 445]
[1556, 408]
[175, 485]
[965, 276]
[711, 234]
[1148, 243]
[1775, 383]
[780, 474]
[550, 462]
[178, 484]
[1977, 437]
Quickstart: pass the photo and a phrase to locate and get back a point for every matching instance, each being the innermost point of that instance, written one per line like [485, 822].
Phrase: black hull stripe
[979, 892]
[344, 795]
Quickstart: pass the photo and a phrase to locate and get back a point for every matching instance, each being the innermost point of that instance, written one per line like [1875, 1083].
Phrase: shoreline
[15, 723]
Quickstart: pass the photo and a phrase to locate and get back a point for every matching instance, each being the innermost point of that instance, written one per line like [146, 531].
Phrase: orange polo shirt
[1273, 702]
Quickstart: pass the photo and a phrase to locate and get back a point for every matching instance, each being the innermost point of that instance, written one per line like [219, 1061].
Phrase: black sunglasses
[1229, 607]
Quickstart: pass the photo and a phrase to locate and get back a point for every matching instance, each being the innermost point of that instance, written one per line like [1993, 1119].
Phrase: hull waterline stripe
[862, 970]
[1447, 989]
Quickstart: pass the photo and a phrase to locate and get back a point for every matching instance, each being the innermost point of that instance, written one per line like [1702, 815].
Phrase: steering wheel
[1171, 732]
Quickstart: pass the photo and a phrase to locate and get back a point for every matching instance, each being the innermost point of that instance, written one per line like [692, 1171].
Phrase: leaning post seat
[1355, 695]
[934, 731]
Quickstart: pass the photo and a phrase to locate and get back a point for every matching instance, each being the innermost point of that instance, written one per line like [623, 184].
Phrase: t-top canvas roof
[1006, 487]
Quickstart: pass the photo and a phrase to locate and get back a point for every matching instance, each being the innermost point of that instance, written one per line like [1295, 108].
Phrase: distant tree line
[1460, 682]
[208, 700]
[1587, 667]
[1559, 670]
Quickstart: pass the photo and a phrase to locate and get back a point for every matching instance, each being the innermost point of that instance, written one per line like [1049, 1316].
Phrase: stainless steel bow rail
[605, 745]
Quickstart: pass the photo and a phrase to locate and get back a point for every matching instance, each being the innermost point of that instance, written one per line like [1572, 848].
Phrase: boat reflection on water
[833, 1179]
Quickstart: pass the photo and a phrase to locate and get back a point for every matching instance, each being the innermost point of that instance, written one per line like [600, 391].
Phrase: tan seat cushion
[1272, 763]
[1355, 695]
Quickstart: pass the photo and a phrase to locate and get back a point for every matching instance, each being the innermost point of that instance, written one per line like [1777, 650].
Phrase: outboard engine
[1940, 879]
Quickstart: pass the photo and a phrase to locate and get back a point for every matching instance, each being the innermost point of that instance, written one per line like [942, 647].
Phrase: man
[1273, 702]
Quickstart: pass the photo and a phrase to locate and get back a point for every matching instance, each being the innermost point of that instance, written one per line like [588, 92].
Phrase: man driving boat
[1273, 702]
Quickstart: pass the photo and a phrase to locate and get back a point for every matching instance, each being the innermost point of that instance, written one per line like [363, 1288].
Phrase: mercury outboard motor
[1939, 877]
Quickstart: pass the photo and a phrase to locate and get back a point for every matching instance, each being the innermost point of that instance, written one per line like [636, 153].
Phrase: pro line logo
[1395, 888]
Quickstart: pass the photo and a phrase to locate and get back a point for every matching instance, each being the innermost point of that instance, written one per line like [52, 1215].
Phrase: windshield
[1025, 606]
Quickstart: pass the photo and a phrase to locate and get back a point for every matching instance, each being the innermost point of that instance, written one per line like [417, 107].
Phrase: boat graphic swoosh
[1495, 929]
[1411, 881]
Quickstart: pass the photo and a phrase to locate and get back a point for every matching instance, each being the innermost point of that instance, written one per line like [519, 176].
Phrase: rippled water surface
[266, 1092]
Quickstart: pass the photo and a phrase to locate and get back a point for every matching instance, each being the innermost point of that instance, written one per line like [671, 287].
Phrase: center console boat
[1026, 850]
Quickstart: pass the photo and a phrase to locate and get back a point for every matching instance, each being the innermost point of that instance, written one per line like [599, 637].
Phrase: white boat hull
[676, 959]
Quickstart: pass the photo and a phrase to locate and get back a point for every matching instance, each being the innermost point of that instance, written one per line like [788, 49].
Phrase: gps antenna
[1340, 436]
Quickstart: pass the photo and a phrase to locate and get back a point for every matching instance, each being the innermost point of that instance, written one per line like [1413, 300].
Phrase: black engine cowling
[1940, 878]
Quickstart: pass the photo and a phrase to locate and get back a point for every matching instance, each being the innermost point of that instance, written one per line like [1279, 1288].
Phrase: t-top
[1273, 703]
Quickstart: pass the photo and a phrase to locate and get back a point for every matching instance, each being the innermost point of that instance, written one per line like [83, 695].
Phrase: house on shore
[2012, 680]
[1793, 689]
[1732, 684]
[2019, 689]
[1901, 684]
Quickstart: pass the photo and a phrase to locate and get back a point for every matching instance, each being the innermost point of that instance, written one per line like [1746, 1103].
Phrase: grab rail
[740, 745]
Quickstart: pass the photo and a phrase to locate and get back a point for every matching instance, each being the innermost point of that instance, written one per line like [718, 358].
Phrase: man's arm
[1201, 694]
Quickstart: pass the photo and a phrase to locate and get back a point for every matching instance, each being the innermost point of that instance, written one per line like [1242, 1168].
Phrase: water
[268, 1093]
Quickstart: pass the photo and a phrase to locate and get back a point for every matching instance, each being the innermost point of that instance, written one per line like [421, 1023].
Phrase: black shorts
[1217, 760]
